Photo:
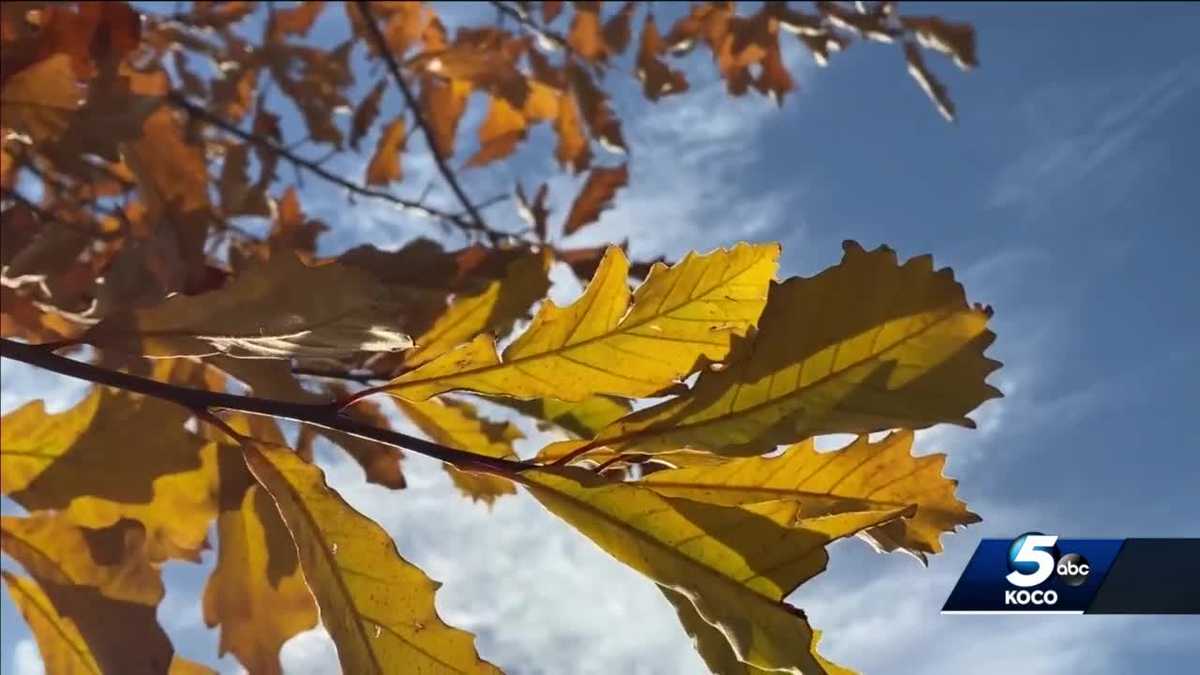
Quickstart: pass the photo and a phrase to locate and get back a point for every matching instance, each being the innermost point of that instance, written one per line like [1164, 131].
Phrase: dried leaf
[928, 83]
[956, 40]
[365, 114]
[280, 309]
[39, 100]
[534, 212]
[296, 20]
[378, 607]
[679, 317]
[385, 163]
[380, 462]
[442, 105]
[864, 346]
[657, 78]
[596, 196]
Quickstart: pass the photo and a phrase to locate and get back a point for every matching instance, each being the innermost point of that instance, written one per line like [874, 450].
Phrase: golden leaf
[113, 560]
[442, 104]
[378, 607]
[735, 563]
[279, 309]
[385, 163]
[256, 592]
[582, 418]
[596, 196]
[492, 310]
[457, 424]
[866, 345]
[40, 99]
[86, 463]
[601, 344]
[862, 476]
[63, 649]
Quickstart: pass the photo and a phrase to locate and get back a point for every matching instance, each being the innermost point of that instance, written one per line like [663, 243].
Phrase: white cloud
[26, 659]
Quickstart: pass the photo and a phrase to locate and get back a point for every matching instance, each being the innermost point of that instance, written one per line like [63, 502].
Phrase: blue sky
[1064, 197]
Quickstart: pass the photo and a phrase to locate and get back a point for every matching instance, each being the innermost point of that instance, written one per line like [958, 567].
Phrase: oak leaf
[596, 196]
[866, 345]
[378, 607]
[603, 344]
[279, 309]
[735, 563]
[862, 476]
[384, 166]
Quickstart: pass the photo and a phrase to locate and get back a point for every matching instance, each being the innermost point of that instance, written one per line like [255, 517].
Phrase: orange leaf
[385, 163]
[597, 194]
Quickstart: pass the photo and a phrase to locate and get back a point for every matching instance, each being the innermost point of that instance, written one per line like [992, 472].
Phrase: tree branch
[178, 100]
[320, 414]
[522, 17]
[377, 36]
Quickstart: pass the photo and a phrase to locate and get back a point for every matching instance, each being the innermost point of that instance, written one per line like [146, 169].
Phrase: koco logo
[1032, 559]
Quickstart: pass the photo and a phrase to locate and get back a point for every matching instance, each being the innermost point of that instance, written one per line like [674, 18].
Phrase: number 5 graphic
[1031, 552]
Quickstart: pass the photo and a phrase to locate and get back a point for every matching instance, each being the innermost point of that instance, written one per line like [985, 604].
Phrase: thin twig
[179, 101]
[364, 8]
[324, 415]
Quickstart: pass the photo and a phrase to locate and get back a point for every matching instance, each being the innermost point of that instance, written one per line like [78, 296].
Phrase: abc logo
[1032, 559]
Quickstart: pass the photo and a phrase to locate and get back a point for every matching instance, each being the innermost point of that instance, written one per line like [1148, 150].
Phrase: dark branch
[179, 101]
[320, 414]
[377, 36]
[522, 17]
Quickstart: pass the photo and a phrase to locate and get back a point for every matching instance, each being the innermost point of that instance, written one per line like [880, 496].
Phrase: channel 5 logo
[1033, 558]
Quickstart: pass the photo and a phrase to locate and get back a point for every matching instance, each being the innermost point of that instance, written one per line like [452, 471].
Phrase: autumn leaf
[925, 79]
[85, 463]
[296, 20]
[534, 212]
[40, 99]
[457, 424]
[583, 419]
[63, 649]
[493, 310]
[596, 196]
[735, 563]
[365, 114]
[443, 103]
[956, 40]
[380, 463]
[679, 317]
[282, 308]
[658, 79]
[377, 606]
[572, 150]
[602, 122]
[256, 593]
[384, 166]
[862, 476]
[866, 345]
[112, 560]
[501, 131]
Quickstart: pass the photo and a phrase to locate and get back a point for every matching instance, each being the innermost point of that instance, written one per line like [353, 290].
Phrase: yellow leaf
[280, 309]
[456, 423]
[492, 310]
[257, 592]
[86, 463]
[864, 346]
[378, 607]
[385, 163]
[862, 476]
[582, 419]
[735, 563]
[710, 642]
[40, 100]
[679, 317]
[63, 649]
[113, 561]
[79, 630]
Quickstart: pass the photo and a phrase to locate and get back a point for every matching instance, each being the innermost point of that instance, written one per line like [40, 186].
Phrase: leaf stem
[320, 414]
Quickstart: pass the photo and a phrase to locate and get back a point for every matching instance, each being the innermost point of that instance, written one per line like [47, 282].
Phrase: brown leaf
[293, 230]
[296, 20]
[385, 163]
[380, 462]
[928, 83]
[442, 105]
[365, 114]
[536, 212]
[572, 150]
[596, 196]
[501, 131]
[585, 37]
[616, 30]
[956, 40]
[657, 78]
[551, 9]
[593, 103]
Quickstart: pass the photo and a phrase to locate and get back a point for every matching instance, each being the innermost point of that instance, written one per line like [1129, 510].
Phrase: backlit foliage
[154, 172]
